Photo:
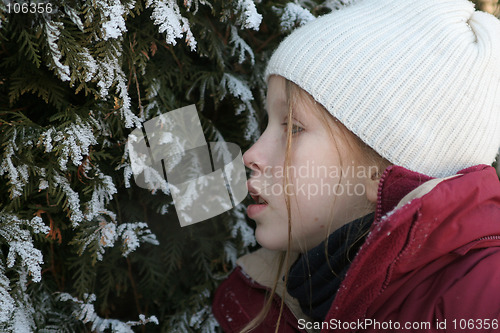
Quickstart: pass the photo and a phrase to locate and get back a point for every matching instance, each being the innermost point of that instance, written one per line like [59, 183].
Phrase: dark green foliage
[71, 90]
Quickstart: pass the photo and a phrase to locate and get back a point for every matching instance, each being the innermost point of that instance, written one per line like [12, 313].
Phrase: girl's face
[322, 199]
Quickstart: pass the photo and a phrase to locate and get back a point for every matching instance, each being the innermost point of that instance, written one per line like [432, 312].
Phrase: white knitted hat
[416, 80]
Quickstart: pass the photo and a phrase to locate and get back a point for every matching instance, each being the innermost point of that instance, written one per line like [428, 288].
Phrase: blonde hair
[365, 154]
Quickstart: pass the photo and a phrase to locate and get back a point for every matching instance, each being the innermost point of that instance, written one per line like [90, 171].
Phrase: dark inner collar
[316, 275]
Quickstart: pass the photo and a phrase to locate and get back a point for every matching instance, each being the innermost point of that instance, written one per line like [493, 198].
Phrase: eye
[296, 129]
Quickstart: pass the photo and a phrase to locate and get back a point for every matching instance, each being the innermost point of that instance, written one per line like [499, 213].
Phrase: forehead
[276, 100]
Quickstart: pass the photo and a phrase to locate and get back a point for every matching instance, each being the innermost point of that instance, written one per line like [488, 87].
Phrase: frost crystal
[72, 142]
[52, 31]
[240, 89]
[114, 24]
[108, 234]
[77, 140]
[231, 253]
[249, 18]
[109, 71]
[154, 179]
[6, 301]
[21, 244]
[30, 257]
[337, 4]
[294, 15]
[18, 177]
[72, 198]
[241, 46]
[237, 88]
[85, 311]
[102, 194]
[90, 65]
[166, 14]
[133, 234]
[242, 228]
[46, 139]
[202, 320]
[73, 15]
[44, 184]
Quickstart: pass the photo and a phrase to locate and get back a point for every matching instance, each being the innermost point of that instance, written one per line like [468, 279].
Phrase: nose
[253, 158]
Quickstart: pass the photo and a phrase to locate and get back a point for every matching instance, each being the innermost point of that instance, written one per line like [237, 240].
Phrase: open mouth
[258, 199]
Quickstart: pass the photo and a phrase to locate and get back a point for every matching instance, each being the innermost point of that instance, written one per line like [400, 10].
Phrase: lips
[255, 192]
[261, 204]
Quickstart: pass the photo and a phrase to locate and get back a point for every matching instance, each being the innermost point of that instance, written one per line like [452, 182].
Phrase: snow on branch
[18, 176]
[202, 320]
[241, 46]
[166, 14]
[52, 30]
[133, 234]
[73, 15]
[7, 304]
[242, 228]
[20, 243]
[293, 15]
[240, 90]
[102, 194]
[249, 18]
[85, 311]
[109, 72]
[73, 199]
[236, 87]
[113, 12]
[72, 142]
[337, 4]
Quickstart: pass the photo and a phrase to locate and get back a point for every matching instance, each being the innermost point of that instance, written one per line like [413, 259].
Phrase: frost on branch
[249, 18]
[203, 320]
[96, 238]
[72, 142]
[73, 15]
[109, 72]
[242, 228]
[241, 46]
[293, 15]
[7, 304]
[52, 31]
[16, 309]
[13, 231]
[89, 64]
[337, 4]
[133, 234]
[78, 137]
[101, 196]
[73, 199]
[236, 87]
[166, 14]
[18, 176]
[240, 90]
[85, 311]
[113, 12]
[152, 178]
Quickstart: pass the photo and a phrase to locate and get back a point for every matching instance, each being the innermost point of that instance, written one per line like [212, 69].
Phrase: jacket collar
[396, 182]
[434, 217]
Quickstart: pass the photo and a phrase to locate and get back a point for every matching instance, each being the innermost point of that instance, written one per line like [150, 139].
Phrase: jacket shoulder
[239, 299]
[472, 286]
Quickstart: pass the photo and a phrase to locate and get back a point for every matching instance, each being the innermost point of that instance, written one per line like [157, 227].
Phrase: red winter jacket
[431, 263]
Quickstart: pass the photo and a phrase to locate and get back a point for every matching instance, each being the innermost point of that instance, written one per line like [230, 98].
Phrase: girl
[376, 206]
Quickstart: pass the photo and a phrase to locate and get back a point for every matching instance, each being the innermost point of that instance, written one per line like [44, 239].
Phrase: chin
[268, 240]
